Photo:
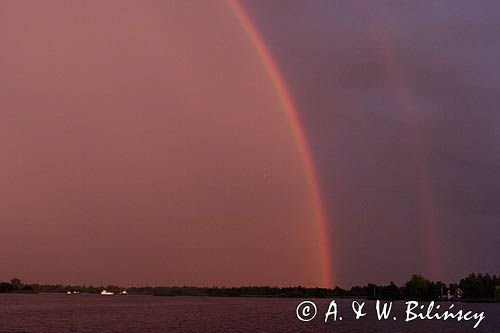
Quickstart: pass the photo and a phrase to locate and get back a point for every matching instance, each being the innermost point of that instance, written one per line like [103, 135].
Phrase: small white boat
[68, 292]
[124, 292]
[108, 293]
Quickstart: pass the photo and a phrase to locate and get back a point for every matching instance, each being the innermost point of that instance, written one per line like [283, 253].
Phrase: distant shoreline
[475, 288]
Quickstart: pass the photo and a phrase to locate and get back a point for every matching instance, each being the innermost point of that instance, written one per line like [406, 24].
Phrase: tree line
[474, 287]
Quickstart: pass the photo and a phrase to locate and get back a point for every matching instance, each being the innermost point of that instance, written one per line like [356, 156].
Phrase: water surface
[96, 313]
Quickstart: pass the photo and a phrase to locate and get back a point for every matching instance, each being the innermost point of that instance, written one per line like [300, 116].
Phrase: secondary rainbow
[409, 122]
[300, 139]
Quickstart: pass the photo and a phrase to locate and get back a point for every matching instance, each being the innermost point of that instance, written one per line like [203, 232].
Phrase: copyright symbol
[306, 311]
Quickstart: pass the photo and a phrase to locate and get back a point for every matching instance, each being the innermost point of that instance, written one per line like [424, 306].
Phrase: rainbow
[298, 132]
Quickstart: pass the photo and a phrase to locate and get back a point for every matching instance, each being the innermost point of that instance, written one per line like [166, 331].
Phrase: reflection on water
[95, 313]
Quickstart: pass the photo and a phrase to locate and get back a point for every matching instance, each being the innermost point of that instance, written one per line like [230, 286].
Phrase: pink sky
[144, 144]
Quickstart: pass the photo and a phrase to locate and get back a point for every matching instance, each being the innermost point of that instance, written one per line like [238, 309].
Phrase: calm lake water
[95, 313]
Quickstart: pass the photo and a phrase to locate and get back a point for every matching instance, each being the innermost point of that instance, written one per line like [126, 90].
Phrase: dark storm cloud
[370, 124]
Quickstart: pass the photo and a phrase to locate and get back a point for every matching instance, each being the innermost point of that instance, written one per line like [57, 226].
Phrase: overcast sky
[143, 143]
[400, 103]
